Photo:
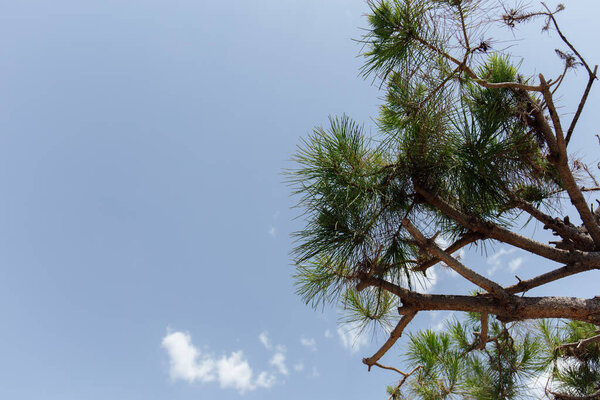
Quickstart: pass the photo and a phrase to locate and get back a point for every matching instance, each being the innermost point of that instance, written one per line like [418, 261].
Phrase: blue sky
[144, 222]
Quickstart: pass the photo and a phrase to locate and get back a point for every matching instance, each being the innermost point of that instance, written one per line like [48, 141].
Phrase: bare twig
[586, 92]
[404, 374]
[394, 336]
[554, 275]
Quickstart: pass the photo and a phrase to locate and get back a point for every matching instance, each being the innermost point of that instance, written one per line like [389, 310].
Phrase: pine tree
[468, 149]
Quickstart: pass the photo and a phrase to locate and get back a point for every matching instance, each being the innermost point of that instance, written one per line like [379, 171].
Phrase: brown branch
[453, 263]
[473, 75]
[564, 39]
[554, 275]
[516, 309]
[463, 26]
[593, 77]
[404, 374]
[394, 336]
[579, 344]
[493, 231]
[459, 244]
[560, 161]
[561, 396]
[582, 241]
[483, 338]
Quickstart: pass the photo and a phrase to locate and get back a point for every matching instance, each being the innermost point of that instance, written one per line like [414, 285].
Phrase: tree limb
[583, 241]
[588, 218]
[459, 244]
[394, 336]
[453, 263]
[493, 231]
[554, 275]
[516, 309]
[593, 77]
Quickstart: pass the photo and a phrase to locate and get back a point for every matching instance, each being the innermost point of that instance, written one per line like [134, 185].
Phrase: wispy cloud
[425, 284]
[311, 343]
[352, 337]
[514, 265]
[496, 261]
[315, 373]
[328, 334]
[299, 366]
[233, 371]
[264, 339]
[278, 361]
[272, 232]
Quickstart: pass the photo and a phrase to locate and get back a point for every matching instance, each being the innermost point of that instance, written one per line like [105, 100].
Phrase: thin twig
[593, 77]
[405, 377]
[394, 336]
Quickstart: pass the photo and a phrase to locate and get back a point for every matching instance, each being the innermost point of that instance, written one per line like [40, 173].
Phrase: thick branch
[394, 336]
[453, 263]
[517, 309]
[494, 231]
[560, 161]
[483, 338]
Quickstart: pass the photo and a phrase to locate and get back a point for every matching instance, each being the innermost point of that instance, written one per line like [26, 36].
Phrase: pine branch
[462, 270]
[560, 161]
[493, 231]
[454, 247]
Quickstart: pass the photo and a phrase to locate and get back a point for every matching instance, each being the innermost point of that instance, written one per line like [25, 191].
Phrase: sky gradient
[144, 219]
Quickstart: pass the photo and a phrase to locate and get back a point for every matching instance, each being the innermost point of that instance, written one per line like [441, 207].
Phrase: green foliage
[575, 369]
[437, 130]
[442, 133]
[454, 367]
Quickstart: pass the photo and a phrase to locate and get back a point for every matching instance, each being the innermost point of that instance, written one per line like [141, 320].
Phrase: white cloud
[496, 261]
[514, 265]
[439, 320]
[425, 284]
[278, 361]
[233, 371]
[328, 334]
[538, 385]
[264, 339]
[352, 337]
[299, 366]
[315, 372]
[272, 232]
[280, 348]
[186, 363]
[311, 343]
